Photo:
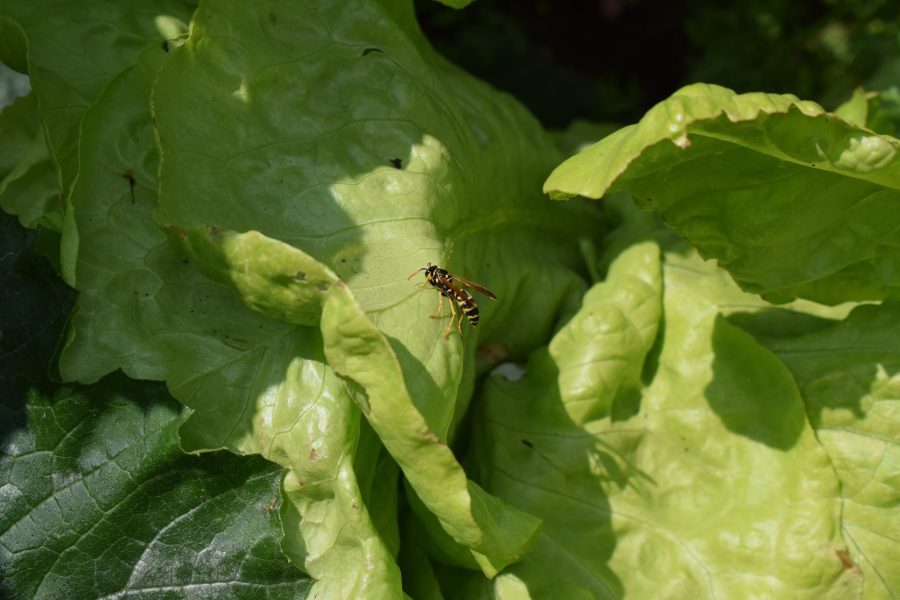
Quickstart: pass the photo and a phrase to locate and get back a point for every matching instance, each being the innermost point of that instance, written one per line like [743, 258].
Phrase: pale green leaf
[848, 375]
[698, 491]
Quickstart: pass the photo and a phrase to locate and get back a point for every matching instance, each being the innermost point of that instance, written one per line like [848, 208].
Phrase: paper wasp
[450, 287]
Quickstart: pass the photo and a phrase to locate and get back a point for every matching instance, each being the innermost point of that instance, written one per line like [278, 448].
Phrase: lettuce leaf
[260, 230]
[98, 499]
[241, 203]
[793, 201]
[690, 488]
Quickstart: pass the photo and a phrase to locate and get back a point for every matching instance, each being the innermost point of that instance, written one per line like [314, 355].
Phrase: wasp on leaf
[450, 286]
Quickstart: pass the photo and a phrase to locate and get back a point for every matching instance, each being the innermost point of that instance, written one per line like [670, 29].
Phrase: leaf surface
[98, 499]
[847, 374]
[791, 200]
[691, 489]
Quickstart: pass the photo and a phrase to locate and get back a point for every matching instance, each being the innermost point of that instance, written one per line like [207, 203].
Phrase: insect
[450, 287]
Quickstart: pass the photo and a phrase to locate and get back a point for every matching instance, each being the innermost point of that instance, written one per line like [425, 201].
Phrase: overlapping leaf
[848, 376]
[791, 200]
[28, 182]
[65, 74]
[147, 310]
[325, 182]
[697, 490]
[312, 157]
[98, 498]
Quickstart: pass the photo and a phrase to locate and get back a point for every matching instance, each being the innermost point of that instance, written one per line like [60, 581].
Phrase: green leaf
[99, 500]
[66, 78]
[698, 490]
[856, 109]
[877, 111]
[314, 428]
[325, 182]
[97, 497]
[596, 380]
[418, 575]
[791, 200]
[848, 375]
[28, 184]
[146, 310]
[495, 533]
[319, 184]
[287, 284]
[272, 196]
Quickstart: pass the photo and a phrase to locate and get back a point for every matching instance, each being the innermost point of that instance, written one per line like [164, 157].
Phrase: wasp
[450, 286]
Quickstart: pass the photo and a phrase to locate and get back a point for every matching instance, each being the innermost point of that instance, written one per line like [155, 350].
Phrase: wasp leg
[453, 315]
[440, 309]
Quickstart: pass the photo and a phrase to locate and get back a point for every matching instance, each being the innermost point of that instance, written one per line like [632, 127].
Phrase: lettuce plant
[686, 389]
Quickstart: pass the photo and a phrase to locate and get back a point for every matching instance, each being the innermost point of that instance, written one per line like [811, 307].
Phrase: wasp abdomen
[467, 304]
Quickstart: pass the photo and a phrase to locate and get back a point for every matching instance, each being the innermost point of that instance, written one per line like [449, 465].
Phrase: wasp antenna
[414, 272]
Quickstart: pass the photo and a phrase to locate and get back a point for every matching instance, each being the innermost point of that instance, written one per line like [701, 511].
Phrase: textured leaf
[248, 374]
[242, 215]
[65, 75]
[99, 501]
[97, 498]
[273, 278]
[309, 161]
[848, 375]
[495, 533]
[697, 491]
[326, 184]
[598, 379]
[791, 200]
[146, 310]
[28, 184]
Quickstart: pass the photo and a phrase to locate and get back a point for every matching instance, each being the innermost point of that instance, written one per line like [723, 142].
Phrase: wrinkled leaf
[65, 75]
[848, 375]
[697, 491]
[155, 316]
[99, 500]
[495, 533]
[791, 200]
[28, 184]
[97, 497]
[598, 379]
[247, 373]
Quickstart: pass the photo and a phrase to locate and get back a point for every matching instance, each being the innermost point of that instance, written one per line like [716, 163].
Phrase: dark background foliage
[611, 60]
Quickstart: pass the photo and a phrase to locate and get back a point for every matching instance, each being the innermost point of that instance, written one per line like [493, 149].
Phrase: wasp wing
[474, 286]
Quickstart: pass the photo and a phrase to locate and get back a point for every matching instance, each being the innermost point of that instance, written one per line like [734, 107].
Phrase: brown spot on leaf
[129, 177]
[848, 562]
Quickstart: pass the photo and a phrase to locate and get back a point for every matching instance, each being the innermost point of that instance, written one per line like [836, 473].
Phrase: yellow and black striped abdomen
[467, 304]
